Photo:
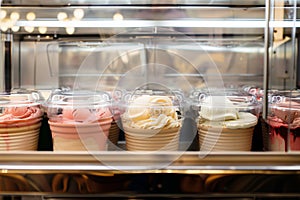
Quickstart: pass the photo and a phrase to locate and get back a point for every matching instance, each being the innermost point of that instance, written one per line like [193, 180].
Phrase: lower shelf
[148, 175]
[150, 186]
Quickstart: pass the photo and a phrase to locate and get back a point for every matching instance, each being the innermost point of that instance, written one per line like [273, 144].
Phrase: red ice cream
[284, 126]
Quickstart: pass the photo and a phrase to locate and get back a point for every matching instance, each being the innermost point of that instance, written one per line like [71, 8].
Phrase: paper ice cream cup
[151, 140]
[20, 121]
[21, 129]
[79, 137]
[17, 139]
[21, 138]
[283, 121]
[152, 120]
[211, 139]
[114, 132]
[79, 120]
[24, 147]
[28, 141]
[113, 137]
[61, 143]
[226, 120]
[22, 133]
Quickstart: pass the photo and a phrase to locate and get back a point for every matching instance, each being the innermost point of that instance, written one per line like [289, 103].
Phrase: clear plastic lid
[20, 107]
[152, 109]
[256, 91]
[80, 106]
[153, 98]
[281, 98]
[24, 99]
[217, 101]
[285, 105]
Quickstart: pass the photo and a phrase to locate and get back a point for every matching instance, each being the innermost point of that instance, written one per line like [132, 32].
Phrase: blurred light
[29, 29]
[70, 30]
[42, 30]
[15, 28]
[14, 16]
[2, 14]
[62, 16]
[78, 13]
[10, 23]
[118, 17]
[72, 19]
[4, 26]
[30, 16]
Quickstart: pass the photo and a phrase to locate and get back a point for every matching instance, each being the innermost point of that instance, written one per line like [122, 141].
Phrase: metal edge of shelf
[132, 2]
[150, 162]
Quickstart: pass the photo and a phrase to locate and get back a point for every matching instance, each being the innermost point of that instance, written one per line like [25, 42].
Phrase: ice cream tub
[24, 123]
[114, 131]
[226, 120]
[165, 139]
[18, 129]
[81, 133]
[152, 121]
[26, 133]
[283, 121]
[20, 121]
[79, 120]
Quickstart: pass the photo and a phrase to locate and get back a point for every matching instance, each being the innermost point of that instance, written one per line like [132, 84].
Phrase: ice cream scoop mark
[155, 112]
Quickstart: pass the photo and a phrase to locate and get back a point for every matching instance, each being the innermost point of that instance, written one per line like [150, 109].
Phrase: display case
[187, 64]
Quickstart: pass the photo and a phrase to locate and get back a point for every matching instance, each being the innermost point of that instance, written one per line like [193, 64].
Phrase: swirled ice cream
[284, 126]
[151, 112]
[71, 115]
[19, 113]
[222, 126]
[20, 121]
[151, 122]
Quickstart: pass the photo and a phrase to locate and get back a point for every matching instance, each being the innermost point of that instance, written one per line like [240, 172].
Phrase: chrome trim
[106, 23]
[156, 162]
[133, 2]
[266, 60]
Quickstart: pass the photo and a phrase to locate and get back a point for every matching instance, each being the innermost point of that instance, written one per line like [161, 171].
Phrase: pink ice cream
[18, 114]
[20, 122]
[83, 115]
[79, 125]
[281, 138]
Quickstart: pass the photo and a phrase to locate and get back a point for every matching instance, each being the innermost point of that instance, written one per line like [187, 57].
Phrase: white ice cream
[220, 111]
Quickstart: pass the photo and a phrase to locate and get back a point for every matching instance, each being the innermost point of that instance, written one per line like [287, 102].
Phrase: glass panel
[115, 19]
[283, 99]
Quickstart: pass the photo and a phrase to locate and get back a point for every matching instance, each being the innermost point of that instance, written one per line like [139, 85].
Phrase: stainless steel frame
[233, 34]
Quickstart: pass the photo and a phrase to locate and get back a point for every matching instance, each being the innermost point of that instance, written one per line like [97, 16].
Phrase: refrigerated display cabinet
[186, 46]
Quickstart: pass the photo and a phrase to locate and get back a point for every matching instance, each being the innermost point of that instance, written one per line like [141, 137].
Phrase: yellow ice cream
[151, 112]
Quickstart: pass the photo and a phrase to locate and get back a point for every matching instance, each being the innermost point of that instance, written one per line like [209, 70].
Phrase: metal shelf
[151, 162]
[133, 2]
